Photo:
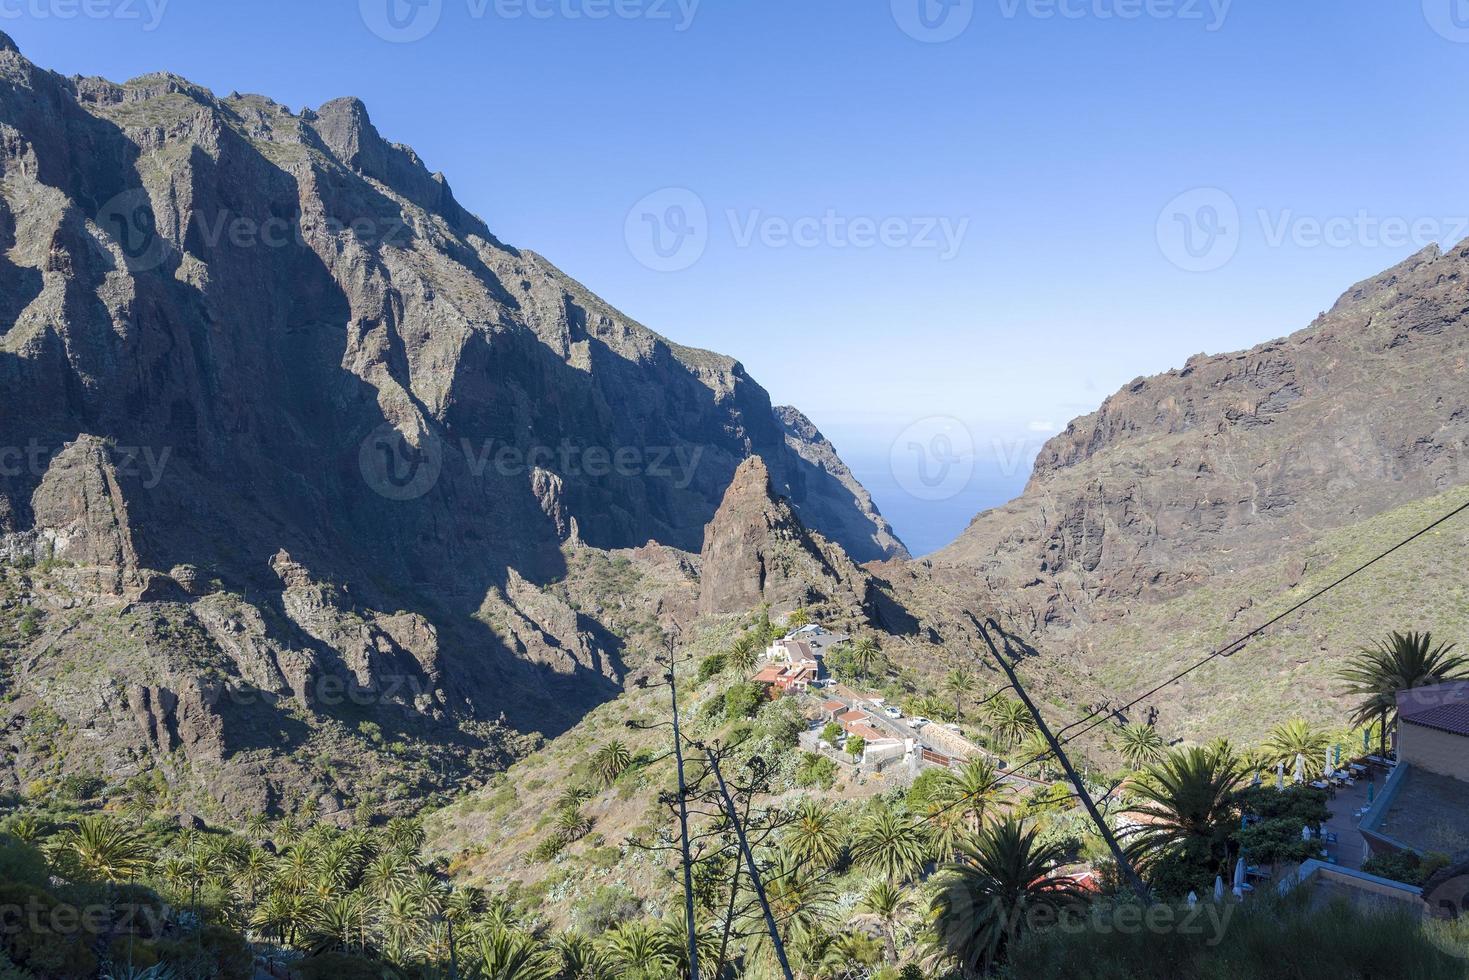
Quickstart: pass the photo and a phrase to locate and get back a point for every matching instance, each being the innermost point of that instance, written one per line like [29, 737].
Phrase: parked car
[919, 722]
[892, 712]
[954, 728]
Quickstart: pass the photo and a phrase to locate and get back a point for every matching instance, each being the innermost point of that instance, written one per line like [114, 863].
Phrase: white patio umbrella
[1280, 775]
[1305, 833]
[1330, 769]
[1258, 780]
[1300, 773]
[1193, 898]
[1239, 877]
[1219, 888]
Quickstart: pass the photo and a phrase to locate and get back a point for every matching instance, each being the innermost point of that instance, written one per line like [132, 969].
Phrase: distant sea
[928, 525]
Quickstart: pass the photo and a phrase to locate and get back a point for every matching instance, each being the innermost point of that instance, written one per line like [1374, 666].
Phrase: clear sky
[887, 227]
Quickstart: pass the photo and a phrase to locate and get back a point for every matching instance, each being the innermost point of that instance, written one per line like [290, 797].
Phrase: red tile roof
[832, 705]
[1451, 718]
[851, 716]
[768, 676]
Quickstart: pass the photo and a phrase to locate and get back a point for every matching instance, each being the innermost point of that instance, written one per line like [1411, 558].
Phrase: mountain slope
[289, 418]
[1194, 504]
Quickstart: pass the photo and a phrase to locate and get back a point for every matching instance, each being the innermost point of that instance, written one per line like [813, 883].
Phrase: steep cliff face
[1195, 505]
[1236, 459]
[267, 356]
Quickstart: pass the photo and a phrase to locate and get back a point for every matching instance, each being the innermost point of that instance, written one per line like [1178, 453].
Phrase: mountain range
[313, 488]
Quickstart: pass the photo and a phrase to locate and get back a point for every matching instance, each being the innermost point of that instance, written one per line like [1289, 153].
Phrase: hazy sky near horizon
[936, 226]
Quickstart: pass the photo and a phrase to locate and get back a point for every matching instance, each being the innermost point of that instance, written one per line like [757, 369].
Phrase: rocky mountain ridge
[317, 460]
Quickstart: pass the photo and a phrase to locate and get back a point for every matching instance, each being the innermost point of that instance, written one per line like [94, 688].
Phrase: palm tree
[404, 835]
[1186, 806]
[1294, 738]
[801, 902]
[1010, 721]
[1399, 663]
[386, 873]
[1140, 745]
[611, 761]
[799, 617]
[958, 683]
[891, 842]
[580, 958]
[886, 904]
[970, 790]
[814, 837]
[637, 949]
[989, 894]
[254, 872]
[105, 850]
[743, 654]
[508, 954]
[866, 655]
[1036, 751]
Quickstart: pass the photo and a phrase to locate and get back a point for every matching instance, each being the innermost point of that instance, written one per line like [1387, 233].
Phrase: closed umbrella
[1371, 791]
[1218, 888]
[1300, 773]
[1337, 757]
[1239, 877]
[1366, 741]
[1258, 781]
[1193, 898]
[1330, 769]
[1280, 775]
[1305, 833]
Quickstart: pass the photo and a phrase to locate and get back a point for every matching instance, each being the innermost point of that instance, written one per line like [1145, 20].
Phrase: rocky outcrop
[757, 552]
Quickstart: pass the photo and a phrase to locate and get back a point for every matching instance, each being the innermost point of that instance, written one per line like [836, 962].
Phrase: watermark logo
[396, 467]
[933, 21]
[668, 230]
[1447, 898]
[933, 459]
[148, 12]
[401, 21]
[1199, 230]
[1449, 18]
[128, 220]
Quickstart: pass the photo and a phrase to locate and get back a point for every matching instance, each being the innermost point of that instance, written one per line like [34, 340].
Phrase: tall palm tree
[1297, 737]
[105, 850]
[1010, 721]
[1036, 751]
[958, 683]
[610, 761]
[971, 790]
[1399, 663]
[886, 904]
[866, 655]
[891, 842]
[987, 897]
[1185, 804]
[814, 836]
[404, 835]
[1139, 744]
[386, 873]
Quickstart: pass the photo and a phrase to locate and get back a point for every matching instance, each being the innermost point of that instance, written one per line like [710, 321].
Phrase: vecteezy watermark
[1201, 230]
[148, 12]
[406, 21]
[933, 459]
[669, 230]
[398, 467]
[676, 464]
[38, 916]
[326, 691]
[933, 21]
[401, 468]
[129, 221]
[146, 464]
[1450, 18]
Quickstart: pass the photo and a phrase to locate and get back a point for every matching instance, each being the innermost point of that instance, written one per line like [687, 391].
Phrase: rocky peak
[6, 44]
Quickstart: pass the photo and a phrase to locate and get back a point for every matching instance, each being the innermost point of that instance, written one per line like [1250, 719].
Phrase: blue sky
[931, 248]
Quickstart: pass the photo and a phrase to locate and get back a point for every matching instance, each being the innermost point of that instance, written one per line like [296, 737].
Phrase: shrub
[1406, 867]
[712, 666]
[831, 733]
[856, 745]
[816, 770]
[608, 906]
[742, 701]
[38, 936]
